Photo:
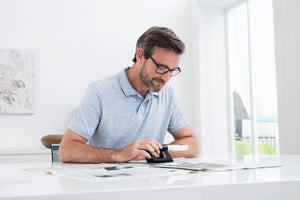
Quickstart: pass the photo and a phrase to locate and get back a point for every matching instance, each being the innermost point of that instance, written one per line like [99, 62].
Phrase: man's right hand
[138, 150]
[73, 148]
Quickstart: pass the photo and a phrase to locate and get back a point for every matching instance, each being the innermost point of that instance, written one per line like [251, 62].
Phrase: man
[124, 117]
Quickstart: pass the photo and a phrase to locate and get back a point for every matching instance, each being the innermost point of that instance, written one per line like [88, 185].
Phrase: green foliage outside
[245, 148]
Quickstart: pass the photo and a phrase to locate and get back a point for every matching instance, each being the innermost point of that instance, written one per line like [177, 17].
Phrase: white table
[267, 183]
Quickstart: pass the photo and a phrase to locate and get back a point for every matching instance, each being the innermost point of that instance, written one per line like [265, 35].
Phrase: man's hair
[159, 37]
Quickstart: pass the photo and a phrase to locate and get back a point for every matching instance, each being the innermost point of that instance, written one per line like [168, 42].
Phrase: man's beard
[150, 82]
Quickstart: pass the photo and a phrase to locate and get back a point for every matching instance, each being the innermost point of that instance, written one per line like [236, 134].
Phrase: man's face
[148, 75]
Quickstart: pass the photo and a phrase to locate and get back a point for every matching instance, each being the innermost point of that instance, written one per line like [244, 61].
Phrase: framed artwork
[16, 81]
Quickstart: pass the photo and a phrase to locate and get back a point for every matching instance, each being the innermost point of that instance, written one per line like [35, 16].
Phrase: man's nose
[166, 77]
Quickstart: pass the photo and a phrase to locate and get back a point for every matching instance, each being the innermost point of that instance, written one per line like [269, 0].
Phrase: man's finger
[156, 146]
[145, 154]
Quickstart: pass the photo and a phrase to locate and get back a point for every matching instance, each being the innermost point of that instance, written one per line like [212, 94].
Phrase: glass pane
[238, 63]
[264, 74]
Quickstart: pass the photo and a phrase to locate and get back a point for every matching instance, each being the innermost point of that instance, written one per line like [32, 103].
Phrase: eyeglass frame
[177, 69]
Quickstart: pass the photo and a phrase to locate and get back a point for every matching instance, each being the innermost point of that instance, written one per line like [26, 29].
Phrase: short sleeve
[88, 114]
[178, 119]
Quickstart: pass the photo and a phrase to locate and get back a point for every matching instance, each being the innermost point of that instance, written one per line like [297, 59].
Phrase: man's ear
[140, 55]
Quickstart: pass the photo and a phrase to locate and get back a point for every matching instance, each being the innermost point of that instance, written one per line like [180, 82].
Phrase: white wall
[287, 46]
[77, 42]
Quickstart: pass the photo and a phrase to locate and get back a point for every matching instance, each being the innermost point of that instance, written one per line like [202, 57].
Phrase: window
[252, 82]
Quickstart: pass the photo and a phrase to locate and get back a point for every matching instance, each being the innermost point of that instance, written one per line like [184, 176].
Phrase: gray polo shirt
[113, 115]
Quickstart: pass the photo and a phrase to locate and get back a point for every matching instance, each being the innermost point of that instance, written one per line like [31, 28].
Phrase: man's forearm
[78, 152]
[193, 148]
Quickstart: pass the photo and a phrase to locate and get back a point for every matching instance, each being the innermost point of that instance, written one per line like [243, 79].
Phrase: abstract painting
[16, 81]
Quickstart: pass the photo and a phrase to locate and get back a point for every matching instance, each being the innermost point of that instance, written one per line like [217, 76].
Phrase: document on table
[104, 171]
[198, 165]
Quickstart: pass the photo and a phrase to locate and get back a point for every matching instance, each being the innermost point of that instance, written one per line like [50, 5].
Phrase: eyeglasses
[164, 69]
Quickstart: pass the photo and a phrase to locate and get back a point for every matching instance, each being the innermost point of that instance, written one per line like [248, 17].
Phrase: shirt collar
[153, 93]
[126, 86]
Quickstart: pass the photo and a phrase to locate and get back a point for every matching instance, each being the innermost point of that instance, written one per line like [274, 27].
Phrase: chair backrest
[47, 140]
[54, 153]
